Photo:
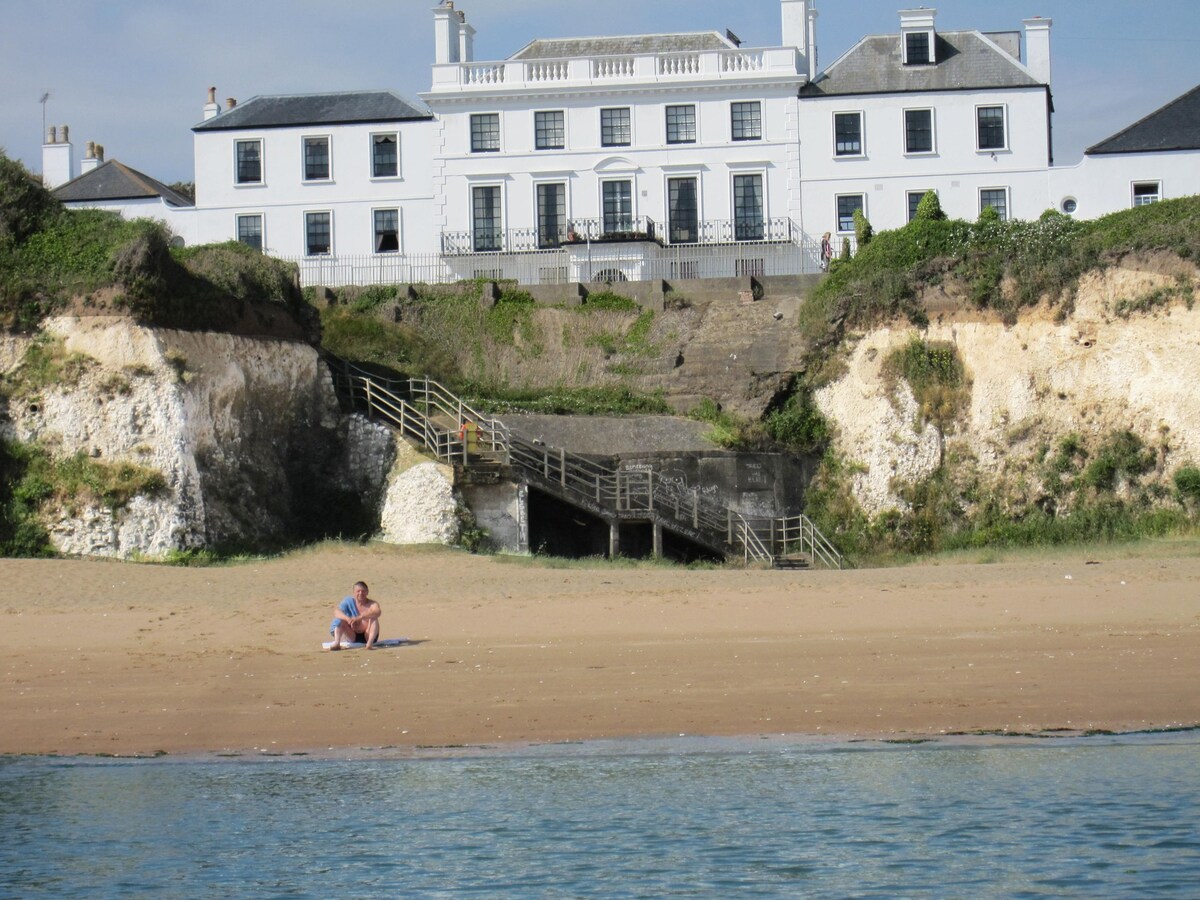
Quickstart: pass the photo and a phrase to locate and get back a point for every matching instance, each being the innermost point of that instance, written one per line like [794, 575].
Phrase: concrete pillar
[658, 541]
[614, 539]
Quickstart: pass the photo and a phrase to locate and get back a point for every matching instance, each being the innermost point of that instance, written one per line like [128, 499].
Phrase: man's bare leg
[371, 635]
[343, 632]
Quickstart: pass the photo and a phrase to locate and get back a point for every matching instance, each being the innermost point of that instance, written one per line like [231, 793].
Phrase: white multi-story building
[313, 175]
[898, 115]
[654, 156]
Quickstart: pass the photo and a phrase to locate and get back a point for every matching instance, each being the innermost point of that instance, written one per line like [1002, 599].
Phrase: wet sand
[122, 658]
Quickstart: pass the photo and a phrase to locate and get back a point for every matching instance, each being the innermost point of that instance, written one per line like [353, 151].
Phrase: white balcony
[763, 64]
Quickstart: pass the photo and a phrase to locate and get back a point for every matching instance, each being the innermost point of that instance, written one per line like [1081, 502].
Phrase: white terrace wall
[1104, 183]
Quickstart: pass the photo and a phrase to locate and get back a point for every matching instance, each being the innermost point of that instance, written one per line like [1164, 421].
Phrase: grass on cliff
[450, 334]
[51, 256]
[30, 479]
[1005, 265]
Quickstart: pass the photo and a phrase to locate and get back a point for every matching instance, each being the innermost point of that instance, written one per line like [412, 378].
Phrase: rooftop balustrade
[766, 63]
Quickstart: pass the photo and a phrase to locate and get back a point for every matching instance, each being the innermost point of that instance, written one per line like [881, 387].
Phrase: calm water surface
[1096, 817]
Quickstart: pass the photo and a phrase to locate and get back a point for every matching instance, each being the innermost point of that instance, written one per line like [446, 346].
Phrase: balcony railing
[766, 63]
[613, 230]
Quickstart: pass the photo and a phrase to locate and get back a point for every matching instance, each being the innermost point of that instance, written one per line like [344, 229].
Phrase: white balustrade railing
[679, 64]
[547, 70]
[613, 67]
[488, 73]
[742, 61]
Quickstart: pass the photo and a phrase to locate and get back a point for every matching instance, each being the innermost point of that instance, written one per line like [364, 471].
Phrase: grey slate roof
[966, 60]
[570, 48]
[116, 181]
[288, 110]
[1175, 126]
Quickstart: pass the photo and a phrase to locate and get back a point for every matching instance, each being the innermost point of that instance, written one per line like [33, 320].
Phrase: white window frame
[538, 182]
[399, 158]
[862, 134]
[317, 212]
[502, 228]
[933, 144]
[499, 148]
[1133, 196]
[633, 195]
[262, 162]
[262, 227]
[539, 112]
[932, 37]
[1003, 107]
[695, 139]
[328, 139]
[632, 125]
[766, 197]
[694, 174]
[1007, 199]
[732, 135]
[837, 211]
[375, 235]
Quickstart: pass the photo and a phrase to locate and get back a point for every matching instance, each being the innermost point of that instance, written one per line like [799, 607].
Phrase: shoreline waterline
[685, 744]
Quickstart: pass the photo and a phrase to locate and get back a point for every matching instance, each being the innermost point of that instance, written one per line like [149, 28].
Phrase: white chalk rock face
[237, 427]
[419, 506]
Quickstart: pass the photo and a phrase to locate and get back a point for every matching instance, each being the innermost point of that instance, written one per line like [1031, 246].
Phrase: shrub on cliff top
[25, 206]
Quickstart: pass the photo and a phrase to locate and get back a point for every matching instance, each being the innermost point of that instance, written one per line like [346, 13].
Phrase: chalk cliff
[245, 432]
[1099, 370]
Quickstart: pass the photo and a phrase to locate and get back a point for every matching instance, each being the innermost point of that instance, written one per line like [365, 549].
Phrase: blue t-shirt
[348, 607]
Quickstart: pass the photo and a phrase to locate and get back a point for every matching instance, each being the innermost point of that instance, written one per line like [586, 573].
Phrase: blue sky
[133, 74]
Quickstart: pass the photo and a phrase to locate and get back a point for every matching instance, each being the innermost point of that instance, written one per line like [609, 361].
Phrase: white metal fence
[587, 262]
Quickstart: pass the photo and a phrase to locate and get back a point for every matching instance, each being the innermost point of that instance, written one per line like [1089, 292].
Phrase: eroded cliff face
[1091, 373]
[245, 432]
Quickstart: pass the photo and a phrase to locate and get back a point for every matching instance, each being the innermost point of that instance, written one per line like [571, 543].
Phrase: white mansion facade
[653, 156]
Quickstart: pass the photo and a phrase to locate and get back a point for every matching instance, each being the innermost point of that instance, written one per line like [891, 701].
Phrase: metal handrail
[409, 405]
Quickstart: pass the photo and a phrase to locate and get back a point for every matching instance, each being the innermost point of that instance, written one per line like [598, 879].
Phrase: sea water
[1094, 817]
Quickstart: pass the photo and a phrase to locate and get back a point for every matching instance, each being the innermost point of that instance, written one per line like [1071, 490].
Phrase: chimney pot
[212, 95]
[65, 135]
[52, 135]
[91, 151]
[230, 102]
[100, 152]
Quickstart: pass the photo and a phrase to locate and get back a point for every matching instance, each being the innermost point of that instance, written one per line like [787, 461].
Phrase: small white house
[113, 186]
[317, 176]
[1156, 158]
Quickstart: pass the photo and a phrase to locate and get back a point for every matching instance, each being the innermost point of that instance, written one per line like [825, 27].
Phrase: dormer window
[918, 48]
[918, 36]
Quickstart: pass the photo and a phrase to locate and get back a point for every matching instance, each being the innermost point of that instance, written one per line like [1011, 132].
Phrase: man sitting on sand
[355, 619]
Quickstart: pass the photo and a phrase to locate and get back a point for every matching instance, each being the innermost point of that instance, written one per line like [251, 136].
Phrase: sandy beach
[123, 658]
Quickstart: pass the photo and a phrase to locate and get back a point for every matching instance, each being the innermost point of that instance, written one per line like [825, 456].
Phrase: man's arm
[370, 610]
